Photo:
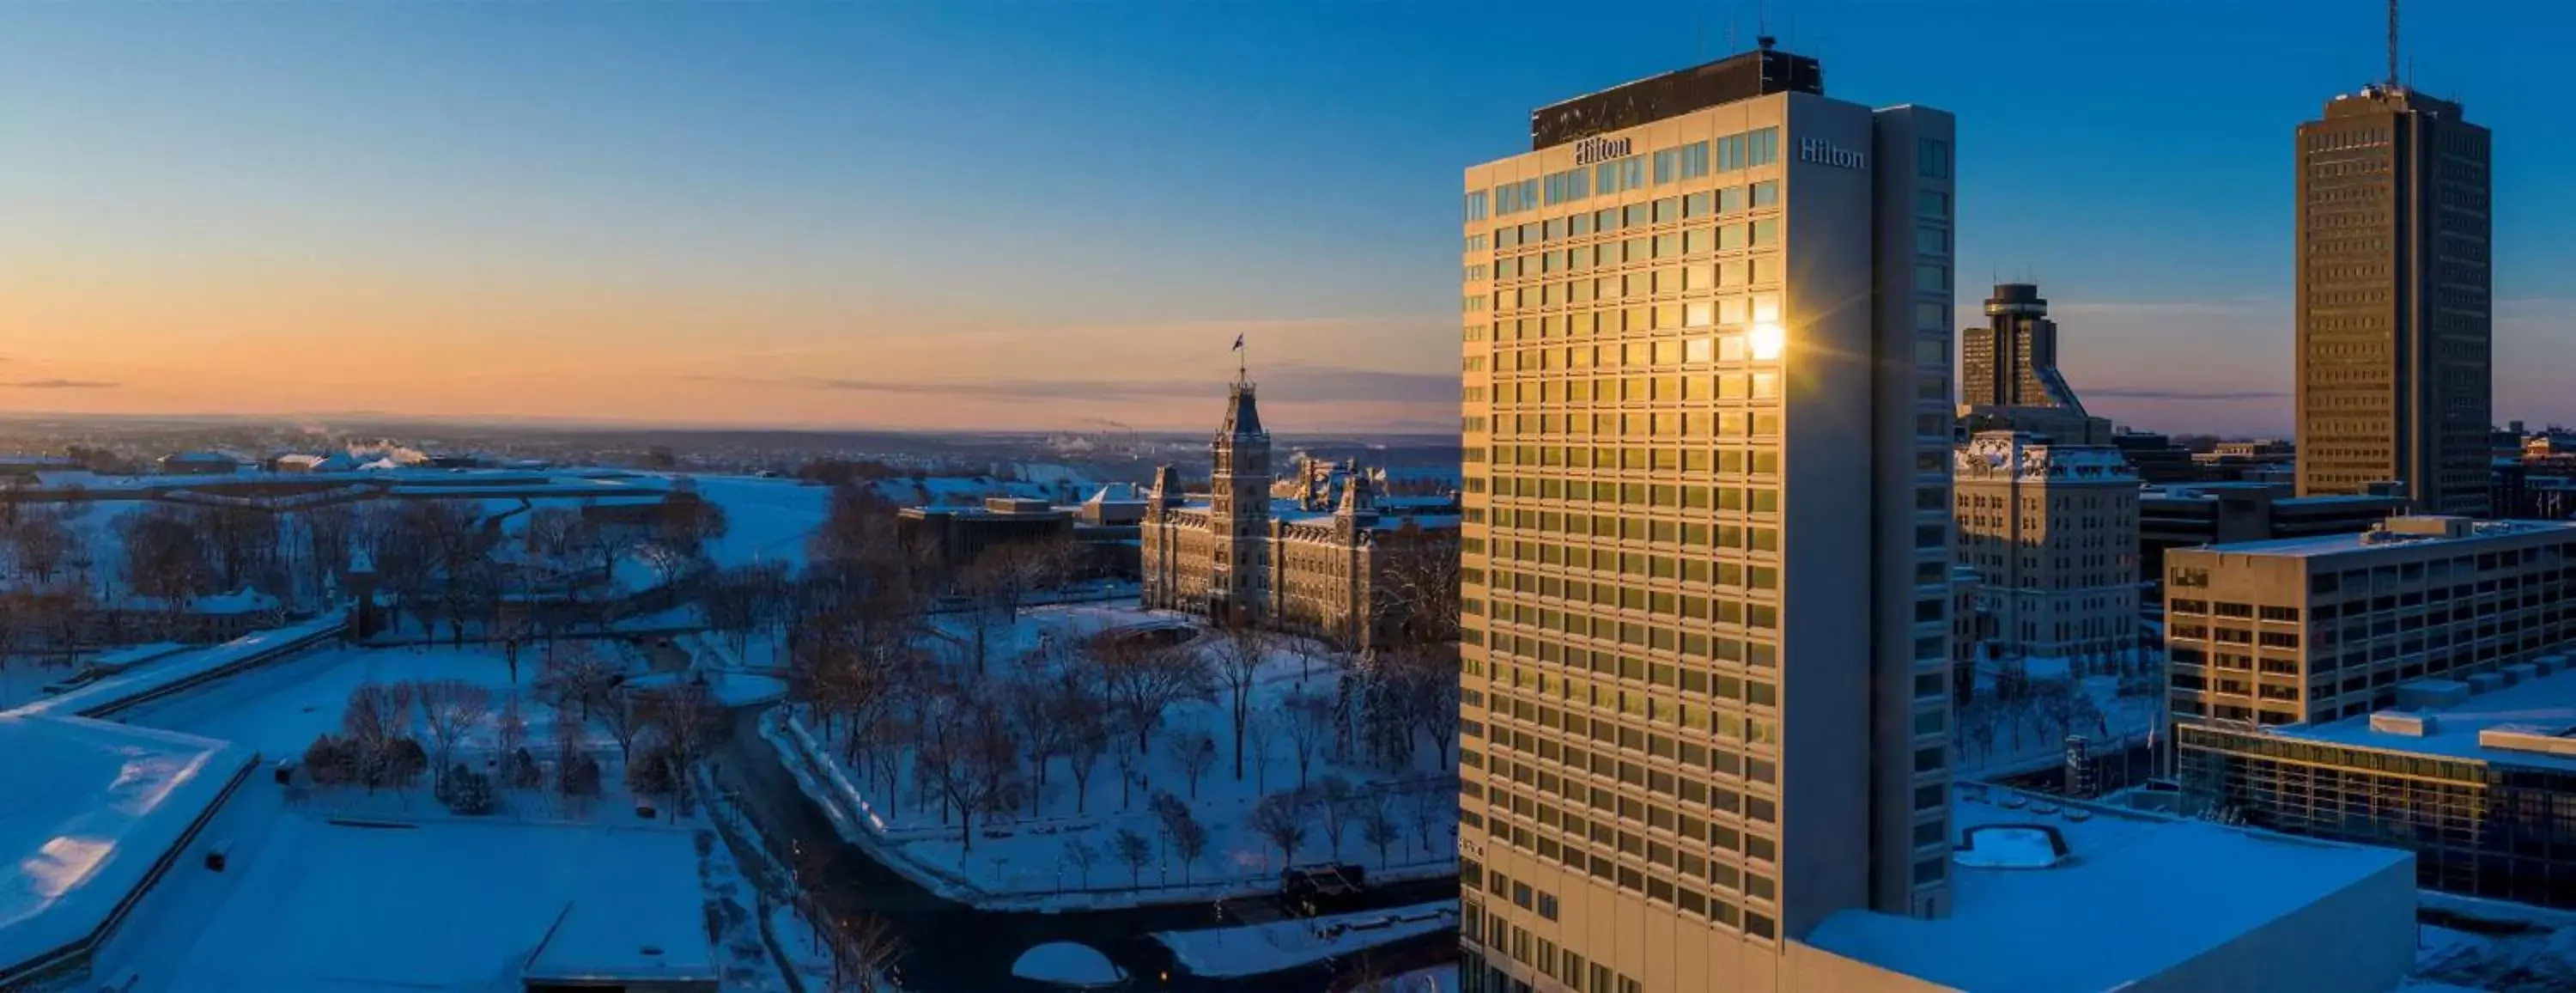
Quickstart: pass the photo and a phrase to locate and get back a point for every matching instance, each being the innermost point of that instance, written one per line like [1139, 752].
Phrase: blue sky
[1019, 213]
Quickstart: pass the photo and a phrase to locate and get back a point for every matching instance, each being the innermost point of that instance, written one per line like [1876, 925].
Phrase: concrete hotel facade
[2305, 630]
[2395, 332]
[1705, 552]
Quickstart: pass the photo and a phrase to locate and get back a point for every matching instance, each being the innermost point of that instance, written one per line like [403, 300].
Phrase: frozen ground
[281, 707]
[1996, 738]
[1021, 858]
[1258, 948]
[766, 520]
[425, 900]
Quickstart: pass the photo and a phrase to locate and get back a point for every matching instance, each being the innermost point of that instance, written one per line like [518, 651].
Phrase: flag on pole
[1238, 343]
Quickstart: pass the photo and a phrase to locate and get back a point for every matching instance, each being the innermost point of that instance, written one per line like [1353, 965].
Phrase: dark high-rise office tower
[2395, 334]
[2012, 361]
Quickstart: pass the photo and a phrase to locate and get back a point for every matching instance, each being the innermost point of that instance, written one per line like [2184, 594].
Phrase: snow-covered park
[1091, 759]
[377, 875]
[2020, 711]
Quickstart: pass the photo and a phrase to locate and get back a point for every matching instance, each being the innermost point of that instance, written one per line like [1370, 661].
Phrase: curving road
[952, 948]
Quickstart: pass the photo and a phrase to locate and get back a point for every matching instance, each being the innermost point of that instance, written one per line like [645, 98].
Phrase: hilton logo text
[1822, 152]
[1592, 150]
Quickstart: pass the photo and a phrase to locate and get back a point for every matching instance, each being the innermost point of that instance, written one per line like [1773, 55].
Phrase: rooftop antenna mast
[2392, 44]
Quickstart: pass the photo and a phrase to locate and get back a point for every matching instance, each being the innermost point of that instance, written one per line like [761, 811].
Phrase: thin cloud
[2148, 394]
[58, 384]
[1281, 384]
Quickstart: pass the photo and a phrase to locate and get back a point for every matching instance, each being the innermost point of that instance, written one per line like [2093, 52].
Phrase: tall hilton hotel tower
[1706, 543]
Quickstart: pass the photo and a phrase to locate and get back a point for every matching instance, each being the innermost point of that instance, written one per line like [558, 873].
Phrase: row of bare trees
[391, 732]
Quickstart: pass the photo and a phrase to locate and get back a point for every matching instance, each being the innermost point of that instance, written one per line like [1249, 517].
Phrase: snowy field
[1028, 856]
[1280, 945]
[280, 708]
[766, 520]
[421, 899]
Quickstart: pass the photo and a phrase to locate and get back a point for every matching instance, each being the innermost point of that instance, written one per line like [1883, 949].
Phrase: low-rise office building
[2171, 517]
[2476, 776]
[2304, 630]
[963, 534]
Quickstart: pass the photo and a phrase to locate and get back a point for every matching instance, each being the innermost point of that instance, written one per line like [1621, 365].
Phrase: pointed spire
[1242, 417]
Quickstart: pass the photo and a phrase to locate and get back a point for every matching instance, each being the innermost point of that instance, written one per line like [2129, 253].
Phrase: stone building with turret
[1320, 562]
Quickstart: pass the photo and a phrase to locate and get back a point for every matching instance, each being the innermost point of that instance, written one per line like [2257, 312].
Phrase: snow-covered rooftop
[643, 937]
[2542, 708]
[89, 807]
[2134, 896]
[2381, 540]
[1069, 965]
[165, 671]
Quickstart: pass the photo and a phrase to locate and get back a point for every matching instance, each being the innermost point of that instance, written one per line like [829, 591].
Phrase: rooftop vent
[2399, 722]
[2431, 694]
[2519, 673]
[2486, 682]
[2545, 739]
[2011, 846]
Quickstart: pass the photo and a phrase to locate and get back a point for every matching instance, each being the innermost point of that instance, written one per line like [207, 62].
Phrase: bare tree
[1135, 850]
[1082, 712]
[575, 678]
[620, 715]
[42, 545]
[1261, 735]
[1035, 713]
[1188, 839]
[1429, 808]
[449, 710]
[1338, 802]
[510, 738]
[971, 759]
[688, 720]
[1143, 682]
[1083, 857]
[1428, 681]
[1281, 818]
[1417, 592]
[1126, 760]
[378, 715]
[1309, 726]
[1239, 657]
[1378, 827]
[164, 558]
[1194, 753]
[862, 947]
